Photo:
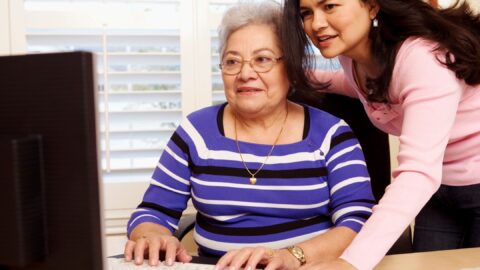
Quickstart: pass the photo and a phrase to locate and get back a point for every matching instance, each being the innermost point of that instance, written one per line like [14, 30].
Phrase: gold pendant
[253, 180]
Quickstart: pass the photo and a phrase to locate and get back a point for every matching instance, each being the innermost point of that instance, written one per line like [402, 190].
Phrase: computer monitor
[49, 171]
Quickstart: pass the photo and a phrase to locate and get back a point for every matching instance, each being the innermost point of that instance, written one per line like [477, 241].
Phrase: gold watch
[298, 253]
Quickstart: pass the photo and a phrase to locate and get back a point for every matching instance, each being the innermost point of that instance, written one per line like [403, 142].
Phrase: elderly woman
[274, 182]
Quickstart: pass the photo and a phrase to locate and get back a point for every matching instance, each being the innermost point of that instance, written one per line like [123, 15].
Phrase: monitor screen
[49, 169]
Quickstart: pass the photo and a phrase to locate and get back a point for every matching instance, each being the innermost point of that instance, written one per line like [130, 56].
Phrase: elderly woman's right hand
[150, 242]
[250, 257]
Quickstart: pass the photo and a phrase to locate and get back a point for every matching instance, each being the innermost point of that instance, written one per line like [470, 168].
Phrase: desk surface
[436, 260]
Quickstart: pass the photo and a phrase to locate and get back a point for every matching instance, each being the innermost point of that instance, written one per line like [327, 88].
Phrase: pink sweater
[437, 119]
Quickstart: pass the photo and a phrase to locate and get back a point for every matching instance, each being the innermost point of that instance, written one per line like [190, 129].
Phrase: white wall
[475, 4]
[4, 28]
[12, 31]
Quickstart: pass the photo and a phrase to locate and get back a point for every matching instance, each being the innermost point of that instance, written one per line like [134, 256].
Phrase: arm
[327, 246]
[151, 225]
[351, 197]
[429, 94]
[148, 228]
[339, 84]
[322, 248]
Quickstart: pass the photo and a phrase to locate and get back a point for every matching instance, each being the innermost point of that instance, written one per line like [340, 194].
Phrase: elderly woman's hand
[249, 258]
[152, 244]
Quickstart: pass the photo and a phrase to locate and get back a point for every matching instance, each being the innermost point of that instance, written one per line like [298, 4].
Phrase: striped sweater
[304, 189]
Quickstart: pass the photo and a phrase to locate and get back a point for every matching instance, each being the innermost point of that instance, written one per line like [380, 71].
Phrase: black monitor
[49, 170]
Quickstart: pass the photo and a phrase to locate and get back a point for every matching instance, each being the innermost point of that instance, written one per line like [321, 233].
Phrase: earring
[375, 22]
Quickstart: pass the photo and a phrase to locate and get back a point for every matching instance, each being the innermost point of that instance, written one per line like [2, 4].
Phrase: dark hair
[456, 30]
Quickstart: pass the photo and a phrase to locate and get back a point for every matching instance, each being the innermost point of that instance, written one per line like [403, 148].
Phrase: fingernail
[169, 261]
[216, 267]
[248, 268]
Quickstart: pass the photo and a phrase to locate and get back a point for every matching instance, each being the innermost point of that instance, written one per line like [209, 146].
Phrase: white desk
[436, 260]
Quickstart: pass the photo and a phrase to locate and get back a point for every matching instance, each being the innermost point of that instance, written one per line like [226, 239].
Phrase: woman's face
[338, 27]
[249, 91]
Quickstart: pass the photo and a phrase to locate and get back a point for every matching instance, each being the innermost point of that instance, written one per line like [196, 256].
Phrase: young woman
[416, 69]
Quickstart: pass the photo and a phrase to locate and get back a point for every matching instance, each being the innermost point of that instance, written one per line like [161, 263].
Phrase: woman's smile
[248, 90]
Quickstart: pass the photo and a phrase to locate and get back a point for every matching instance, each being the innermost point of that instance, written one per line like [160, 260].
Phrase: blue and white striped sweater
[304, 189]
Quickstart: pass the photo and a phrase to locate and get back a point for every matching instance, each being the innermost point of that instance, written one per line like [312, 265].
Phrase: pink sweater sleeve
[339, 83]
[429, 94]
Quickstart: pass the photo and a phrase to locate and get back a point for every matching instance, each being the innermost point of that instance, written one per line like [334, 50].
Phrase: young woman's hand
[337, 264]
[250, 257]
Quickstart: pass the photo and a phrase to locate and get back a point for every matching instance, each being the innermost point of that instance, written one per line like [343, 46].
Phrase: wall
[12, 37]
[475, 4]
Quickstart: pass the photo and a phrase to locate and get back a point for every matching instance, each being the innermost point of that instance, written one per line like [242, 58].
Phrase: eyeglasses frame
[249, 61]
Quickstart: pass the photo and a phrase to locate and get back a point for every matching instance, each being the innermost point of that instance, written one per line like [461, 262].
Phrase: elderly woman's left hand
[250, 257]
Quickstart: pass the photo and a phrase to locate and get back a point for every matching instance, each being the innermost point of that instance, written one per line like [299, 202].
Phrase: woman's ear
[374, 8]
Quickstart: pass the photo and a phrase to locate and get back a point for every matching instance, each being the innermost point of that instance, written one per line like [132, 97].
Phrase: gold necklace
[252, 178]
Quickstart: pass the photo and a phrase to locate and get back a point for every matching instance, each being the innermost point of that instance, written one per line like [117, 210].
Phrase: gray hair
[244, 13]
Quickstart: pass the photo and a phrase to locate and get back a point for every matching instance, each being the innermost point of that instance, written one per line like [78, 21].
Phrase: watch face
[298, 253]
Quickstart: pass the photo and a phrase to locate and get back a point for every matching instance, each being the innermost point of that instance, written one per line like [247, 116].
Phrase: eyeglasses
[232, 64]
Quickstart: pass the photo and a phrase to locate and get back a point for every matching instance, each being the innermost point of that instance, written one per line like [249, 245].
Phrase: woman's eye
[230, 62]
[263, 59]
[330, 6]
[305, 13]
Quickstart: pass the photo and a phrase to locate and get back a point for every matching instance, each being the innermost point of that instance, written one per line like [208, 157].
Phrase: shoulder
[205, 115]
[202, 122]
[417, 53]
[418, 42]
[320, 117]
[329, 133]
[324, 125]
[417, 48]
[418, 65]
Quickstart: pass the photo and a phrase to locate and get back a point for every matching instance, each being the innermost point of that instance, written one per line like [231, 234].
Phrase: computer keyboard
[121, 264]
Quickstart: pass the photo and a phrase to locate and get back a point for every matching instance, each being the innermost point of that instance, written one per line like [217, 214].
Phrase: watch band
[298, 253]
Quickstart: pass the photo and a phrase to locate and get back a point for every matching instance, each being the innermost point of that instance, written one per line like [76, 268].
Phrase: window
[216, 10]
[146, 73]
